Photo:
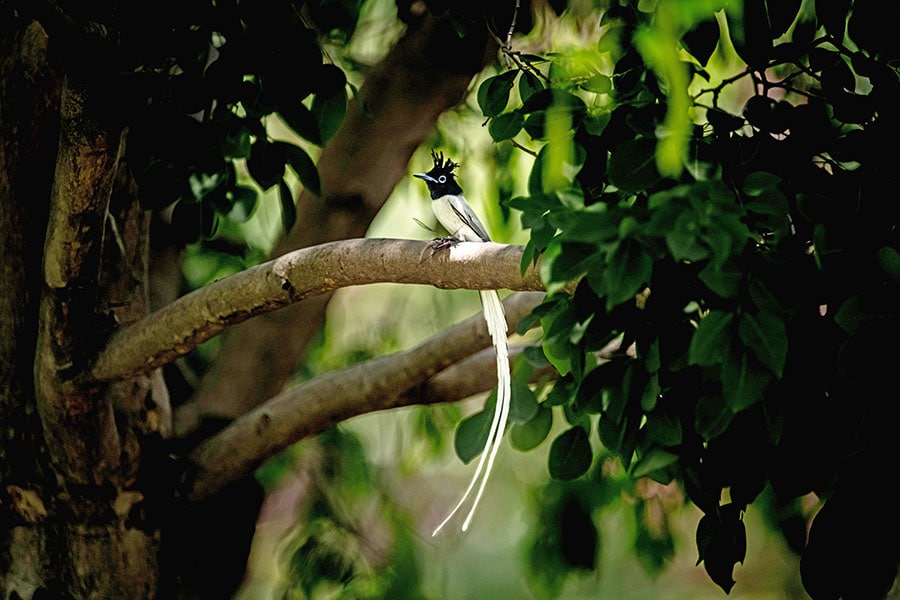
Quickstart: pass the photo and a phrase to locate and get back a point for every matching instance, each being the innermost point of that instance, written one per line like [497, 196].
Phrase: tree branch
[471, 376]
[313, 406]
[198, 316]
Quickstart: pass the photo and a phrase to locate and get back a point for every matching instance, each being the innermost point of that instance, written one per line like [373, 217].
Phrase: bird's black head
[440, 179]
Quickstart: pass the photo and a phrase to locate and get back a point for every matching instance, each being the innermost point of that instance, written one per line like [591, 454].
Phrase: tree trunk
[71, 518]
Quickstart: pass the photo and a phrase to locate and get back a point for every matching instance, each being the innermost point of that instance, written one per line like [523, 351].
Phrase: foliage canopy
[745, 247]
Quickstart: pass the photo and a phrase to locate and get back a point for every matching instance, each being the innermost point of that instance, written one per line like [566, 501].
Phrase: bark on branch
[311, 407]
[198, 316]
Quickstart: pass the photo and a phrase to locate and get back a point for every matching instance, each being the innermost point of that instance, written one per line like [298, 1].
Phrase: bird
[463, 225]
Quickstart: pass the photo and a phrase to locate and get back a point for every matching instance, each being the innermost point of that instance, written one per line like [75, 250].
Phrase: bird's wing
[468, 216]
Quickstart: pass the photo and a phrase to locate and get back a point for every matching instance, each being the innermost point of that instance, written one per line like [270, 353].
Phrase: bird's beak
[428, 178]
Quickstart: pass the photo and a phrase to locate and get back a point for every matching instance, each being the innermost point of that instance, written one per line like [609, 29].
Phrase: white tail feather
[495, 318]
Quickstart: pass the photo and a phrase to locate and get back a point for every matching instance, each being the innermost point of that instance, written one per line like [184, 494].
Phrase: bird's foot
[443, 242]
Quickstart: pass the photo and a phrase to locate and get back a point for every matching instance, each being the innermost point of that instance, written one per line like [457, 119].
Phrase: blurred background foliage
[713, 172]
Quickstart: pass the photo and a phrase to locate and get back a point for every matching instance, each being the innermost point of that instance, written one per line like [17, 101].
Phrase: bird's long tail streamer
[495, 318]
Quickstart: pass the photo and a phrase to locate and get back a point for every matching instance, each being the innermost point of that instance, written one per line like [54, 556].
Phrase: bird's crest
[441, 164]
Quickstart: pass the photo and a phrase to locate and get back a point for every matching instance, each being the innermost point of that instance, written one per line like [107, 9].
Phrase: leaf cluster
[746, 262]
[202, 119]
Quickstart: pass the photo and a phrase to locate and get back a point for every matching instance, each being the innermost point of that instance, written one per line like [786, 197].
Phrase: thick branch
[313, 406]
[198, 316]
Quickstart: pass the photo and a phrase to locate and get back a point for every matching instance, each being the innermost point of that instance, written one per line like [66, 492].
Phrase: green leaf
[724, 238]
[329, 79]
[663, 429]
[563, 263]
[236, 143]
[724, 282]
[302, 165]
[710, 343]
[889, 260]
[656, 459]
[529, 83]
[535, 125]
[612, 433]
[557, 98]
[528, 435]
[533, 354]
[683, 239]
[650, 394]
[782, 14]
[472, 434]
[702, 39]
[766, 335]
[713, 416]
[570, 454]
[599, 84]
[759, 182]
[632, 165]
[557, 324]
[585, 226]
[722, 542]
[833, 15]
[266, 163]
[742, 383]
[523, 402]
[493, 93]
[627, 271]
[329, 111]
[288, 208]
[302, 121]
[505, 126]
[529, 257]
[614, 393]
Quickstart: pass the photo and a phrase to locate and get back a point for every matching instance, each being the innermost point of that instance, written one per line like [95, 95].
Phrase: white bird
[461, 222]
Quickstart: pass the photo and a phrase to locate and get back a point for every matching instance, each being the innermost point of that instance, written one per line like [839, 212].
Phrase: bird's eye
[442, 179]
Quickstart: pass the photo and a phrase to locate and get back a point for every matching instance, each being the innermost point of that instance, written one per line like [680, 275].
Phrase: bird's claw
[443, 242]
